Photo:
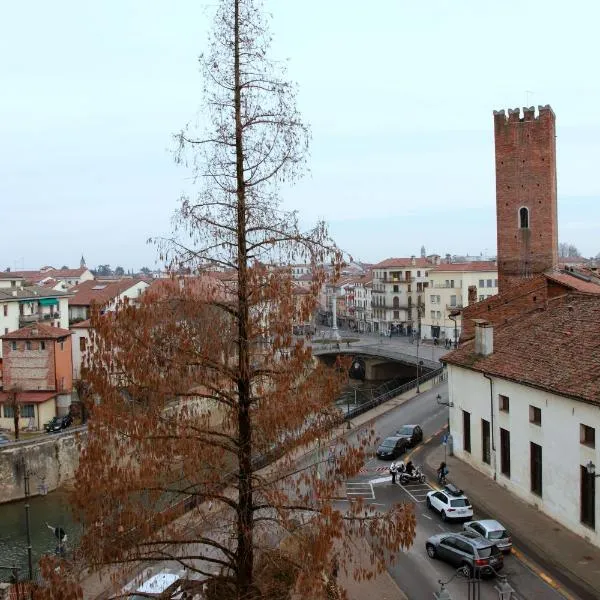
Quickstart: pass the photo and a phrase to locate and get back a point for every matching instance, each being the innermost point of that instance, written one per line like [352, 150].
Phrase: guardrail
[363, 408]
[44, 437]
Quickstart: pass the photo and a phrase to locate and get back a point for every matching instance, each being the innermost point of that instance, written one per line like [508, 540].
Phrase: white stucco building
[22, 306]
[80, 342]
[526, 408]
[447, 295]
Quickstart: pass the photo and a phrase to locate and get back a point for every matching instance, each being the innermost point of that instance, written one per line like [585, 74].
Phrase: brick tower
[527, 226]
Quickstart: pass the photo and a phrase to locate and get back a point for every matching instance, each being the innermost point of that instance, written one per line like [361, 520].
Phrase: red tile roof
[575, 283]
[480, 265]
[49, 272]
[82, 324]
[37, 332]
[9, 275]
[29, 397]
[402, 262]
[557, 349]
[99, 292]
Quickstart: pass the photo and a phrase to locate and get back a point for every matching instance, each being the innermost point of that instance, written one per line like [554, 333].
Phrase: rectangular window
[503, 403]
[396, 316]
[9, 413]
[535, 457]
[28, 345]
[432, 298]
[535, 415]
[452, 283]
[489, 283]
[6, 331]
[481, 297]
[587, 435]
[13, 345]
[62, 345]
[453, 300]
[505, 452]
[5, 310]
[42, 345]
[447, 283]
[27, 411]
[466, 431]
[495, 283]
[82, 342]
[481, 283]
[588, 498]
[433, 314]
[485, 441]
[396, 288]
[418, 273]
[439, 314]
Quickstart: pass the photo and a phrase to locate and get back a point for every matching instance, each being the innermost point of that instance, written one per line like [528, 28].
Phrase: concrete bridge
[381, 360]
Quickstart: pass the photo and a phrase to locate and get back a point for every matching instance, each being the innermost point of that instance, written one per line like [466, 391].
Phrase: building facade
[525, 408]
[37, 366]
[447, 295]
[398, 291]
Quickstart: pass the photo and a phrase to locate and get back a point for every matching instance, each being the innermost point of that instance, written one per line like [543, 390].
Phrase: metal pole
[418, 390]
[29, 556]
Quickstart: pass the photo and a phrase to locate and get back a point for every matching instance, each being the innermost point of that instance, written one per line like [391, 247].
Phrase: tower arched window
[524, 218]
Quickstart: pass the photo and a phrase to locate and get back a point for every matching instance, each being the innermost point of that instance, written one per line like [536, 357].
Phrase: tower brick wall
[527, 227]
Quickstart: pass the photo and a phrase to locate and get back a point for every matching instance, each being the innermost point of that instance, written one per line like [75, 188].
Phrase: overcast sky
[399, 96]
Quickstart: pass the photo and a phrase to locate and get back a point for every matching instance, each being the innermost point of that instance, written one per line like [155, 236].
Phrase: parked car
[4, 439]
[493, 531]
[412, 433]
[58, 423]
[467, 551]
[391, 447]
[451, 503]
[162, 585]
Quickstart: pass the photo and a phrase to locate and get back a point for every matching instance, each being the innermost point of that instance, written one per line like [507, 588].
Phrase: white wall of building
[78, 348]
[559, 436]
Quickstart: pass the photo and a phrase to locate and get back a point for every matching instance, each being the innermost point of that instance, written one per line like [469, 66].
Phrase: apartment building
[398, 292]
[447, 295]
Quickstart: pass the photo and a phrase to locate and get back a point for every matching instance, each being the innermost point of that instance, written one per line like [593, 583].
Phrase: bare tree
[566, 250]
[13, 402]
[202, 384]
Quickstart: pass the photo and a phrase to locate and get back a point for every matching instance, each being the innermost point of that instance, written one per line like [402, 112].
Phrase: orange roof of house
[82, 324]
[50, 272]
[557, 349]
[473, 266]
[402, 262]
[99, 292]
[29, 397]
[575, 283]
[39, 331]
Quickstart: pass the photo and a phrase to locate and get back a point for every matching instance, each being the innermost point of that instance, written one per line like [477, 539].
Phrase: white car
[451, 503]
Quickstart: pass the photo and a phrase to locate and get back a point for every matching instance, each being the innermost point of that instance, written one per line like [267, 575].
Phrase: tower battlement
[528, 114]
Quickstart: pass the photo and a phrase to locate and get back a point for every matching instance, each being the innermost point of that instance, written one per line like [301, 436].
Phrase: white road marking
[427, 517]
[381, 480]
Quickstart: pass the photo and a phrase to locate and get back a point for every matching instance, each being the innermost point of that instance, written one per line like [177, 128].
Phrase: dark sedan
[58, 423]
[413, 434]
[391, 448]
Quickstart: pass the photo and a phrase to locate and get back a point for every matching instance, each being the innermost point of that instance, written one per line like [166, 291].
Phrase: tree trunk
[245, 549]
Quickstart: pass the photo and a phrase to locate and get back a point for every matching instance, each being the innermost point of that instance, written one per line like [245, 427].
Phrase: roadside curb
[528, 552]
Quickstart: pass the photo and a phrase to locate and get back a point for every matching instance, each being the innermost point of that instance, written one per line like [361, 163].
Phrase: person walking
[393, 471]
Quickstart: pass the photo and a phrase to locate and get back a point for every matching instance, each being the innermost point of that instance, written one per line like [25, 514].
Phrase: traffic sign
[444, 439]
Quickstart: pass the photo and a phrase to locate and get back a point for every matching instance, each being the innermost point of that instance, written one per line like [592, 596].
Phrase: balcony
[444, 286]
[25, 320]
[454, 307]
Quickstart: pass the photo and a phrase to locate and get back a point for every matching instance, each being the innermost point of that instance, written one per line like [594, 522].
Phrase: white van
[162, 585]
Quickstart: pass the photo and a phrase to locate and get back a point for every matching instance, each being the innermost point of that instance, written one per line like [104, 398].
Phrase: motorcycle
[417, 476]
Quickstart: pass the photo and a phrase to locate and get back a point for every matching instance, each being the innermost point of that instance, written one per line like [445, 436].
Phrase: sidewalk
[536, 535]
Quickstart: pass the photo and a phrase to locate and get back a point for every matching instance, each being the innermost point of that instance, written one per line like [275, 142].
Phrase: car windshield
[389, 443]
[459, 502]
[405, 430]
[485, 552]
[498, 534]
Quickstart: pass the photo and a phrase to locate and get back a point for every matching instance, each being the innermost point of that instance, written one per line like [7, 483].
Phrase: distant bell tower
[527, 226]
[82, 263]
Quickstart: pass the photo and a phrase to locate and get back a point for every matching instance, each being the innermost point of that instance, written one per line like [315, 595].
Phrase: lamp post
[452, 316]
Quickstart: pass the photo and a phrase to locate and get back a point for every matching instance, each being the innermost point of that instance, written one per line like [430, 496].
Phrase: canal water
[52, 509]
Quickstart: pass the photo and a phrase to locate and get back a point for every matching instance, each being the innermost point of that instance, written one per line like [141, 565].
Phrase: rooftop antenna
[528, 93]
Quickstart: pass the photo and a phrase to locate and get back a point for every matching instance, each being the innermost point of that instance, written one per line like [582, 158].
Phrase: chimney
[484, 337]
[34, 331]
[472, 295]
[448, 259]
[413, 262]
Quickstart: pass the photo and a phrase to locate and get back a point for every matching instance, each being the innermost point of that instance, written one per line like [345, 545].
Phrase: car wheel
[466, 570]
[430, 550]
[444, 516]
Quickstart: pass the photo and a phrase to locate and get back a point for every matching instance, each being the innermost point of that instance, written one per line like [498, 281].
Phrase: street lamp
[590, 467]
[504, 589]
[443, 594]
[449, 439]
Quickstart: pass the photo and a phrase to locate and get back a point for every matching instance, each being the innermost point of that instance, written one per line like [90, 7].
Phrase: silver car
[491, 530]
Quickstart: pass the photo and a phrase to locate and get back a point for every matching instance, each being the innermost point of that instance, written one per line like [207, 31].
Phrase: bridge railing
[438, 374]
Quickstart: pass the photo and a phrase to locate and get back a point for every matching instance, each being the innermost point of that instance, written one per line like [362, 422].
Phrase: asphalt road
[416, 574]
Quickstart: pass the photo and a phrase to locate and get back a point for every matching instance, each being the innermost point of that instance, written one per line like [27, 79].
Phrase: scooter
[417, 476]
